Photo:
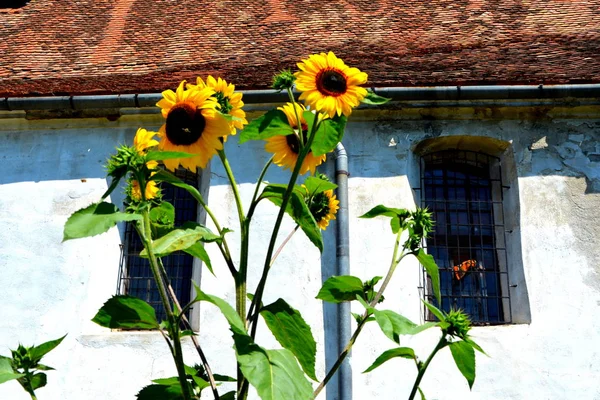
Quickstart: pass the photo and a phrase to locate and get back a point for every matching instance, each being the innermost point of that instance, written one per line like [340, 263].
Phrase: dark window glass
[135, 274]
[463, 189]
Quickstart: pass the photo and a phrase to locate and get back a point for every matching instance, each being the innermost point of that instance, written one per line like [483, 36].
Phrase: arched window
[464, 190]
[135, 276]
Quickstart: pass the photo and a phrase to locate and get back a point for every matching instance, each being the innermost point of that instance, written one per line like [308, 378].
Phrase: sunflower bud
[126, 159]
[283, 80]
[458, 324]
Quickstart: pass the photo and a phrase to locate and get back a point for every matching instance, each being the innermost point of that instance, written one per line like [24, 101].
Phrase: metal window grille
[463, 189]
[135, 276]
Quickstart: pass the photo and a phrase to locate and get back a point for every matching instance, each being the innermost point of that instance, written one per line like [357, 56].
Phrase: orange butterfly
[461, 270]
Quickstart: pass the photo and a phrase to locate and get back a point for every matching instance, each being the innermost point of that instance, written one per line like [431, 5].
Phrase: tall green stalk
[422, 368]
[394, 263]
[173, 326]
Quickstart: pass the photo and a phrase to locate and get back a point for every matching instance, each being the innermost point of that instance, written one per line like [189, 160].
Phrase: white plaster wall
[51, 288]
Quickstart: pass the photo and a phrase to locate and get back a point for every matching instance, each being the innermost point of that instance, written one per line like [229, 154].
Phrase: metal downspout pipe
[344, 375]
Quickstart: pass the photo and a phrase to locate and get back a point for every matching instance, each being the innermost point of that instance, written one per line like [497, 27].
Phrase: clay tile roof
[123, 46]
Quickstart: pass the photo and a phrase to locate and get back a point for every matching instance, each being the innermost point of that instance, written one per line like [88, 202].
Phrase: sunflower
[286, 148]
[150, 192]
[192, 126]
[230, 101]
[323, 207]
[329, 85]
[142, 141]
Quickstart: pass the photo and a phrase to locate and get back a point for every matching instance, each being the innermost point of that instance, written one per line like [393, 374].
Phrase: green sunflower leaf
[316, 185]
[275, 374]
[464, 357]
[38, 380]
[393, 324]
[228, 396]
[297, 209]
[37, 352]
[292, 333]
[338, 289]
[271, 124]
[435, 311]
[165, 176]
[235, 322]
[6, 371]
[162, 392]
[94, 220]
[197, 250]
[381, 210]
[404, 352]
[126, 312]
[329, 134]
[166, 155]
[374, 99]
[162, 218]
[179, 239]
[432, 270]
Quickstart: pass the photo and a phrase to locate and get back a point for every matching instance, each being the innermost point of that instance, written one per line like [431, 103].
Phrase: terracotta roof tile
[120, 46]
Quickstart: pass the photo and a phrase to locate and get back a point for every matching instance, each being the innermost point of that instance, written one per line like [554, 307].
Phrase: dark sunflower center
[185, 124]
[293, 141]
[331, 83]
[319, 206]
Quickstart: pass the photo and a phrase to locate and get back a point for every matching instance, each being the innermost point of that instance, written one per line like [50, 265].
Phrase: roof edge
[429, 93]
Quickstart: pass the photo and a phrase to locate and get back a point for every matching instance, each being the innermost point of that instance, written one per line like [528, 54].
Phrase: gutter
[344, 329]
[503, 93]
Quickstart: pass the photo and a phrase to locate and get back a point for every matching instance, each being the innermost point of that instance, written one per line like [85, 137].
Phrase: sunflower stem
[254, 201]
[286, 197]
[441, 344]
[241, 276]
[298, 120]
[393, 264]
[173, 327]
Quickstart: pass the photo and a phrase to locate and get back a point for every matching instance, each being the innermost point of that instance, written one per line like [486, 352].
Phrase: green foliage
[197, 250]
[464, 357]
[318, 184]
[235, 322]
[374, 99]
[338, 289]
[293, 333]
[404, 352]
[37, 352]
[25, 363]
[162, 219]
[166, 176]
[422, 394]
[432, 270]
[166, 155]
[179, 239]
[126, 312]
[161, 392]
[369, 291]
[393, 324]
[297, 209]
[381, 210]
[6, 370]
[283, 80]
[329, 133]
[270, 124]
[94, 220]
[275, 374]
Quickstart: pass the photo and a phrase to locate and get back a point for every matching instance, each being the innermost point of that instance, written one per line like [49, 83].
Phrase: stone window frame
[515, 287]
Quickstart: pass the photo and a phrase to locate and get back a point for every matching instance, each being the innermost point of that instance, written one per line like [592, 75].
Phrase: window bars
[463, 190]
[135, 276]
